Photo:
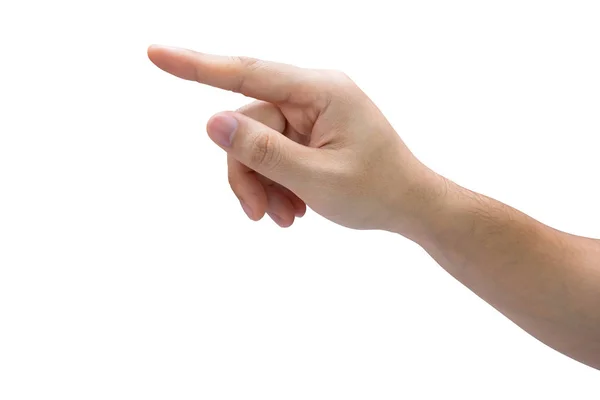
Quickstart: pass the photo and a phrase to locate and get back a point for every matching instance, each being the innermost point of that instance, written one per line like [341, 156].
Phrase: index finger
[263, 80]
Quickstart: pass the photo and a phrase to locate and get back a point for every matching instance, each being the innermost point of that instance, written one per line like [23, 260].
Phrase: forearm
[546, 281]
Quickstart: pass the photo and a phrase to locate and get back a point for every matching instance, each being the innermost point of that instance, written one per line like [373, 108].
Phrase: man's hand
[314, 139]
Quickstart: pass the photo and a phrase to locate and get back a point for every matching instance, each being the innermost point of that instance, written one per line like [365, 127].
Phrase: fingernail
[276, 218]
[221, 129]
[246, 209]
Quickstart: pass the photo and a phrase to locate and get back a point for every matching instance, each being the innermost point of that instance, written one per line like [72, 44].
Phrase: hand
[315, 139]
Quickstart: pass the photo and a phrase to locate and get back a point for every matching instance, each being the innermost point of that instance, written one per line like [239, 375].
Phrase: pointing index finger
[264, 80]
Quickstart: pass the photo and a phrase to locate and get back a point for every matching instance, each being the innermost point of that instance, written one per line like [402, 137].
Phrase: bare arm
[546, 281]
[317, 140]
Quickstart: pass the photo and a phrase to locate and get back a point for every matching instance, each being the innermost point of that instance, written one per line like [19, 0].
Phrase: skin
[314, 138]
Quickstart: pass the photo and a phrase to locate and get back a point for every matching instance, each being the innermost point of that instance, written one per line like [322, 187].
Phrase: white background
[129, 271]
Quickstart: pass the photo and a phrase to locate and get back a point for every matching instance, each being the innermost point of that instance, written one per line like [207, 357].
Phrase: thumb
[261, 148]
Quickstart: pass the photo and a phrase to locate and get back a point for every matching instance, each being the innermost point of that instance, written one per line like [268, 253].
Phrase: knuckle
[341, 78]
[246, 66]
[255, 109]
[340, 87]
[248, 63]
[260, 148]
[265, 151]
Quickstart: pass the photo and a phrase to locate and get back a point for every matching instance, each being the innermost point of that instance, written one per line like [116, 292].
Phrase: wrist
[426, 207]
